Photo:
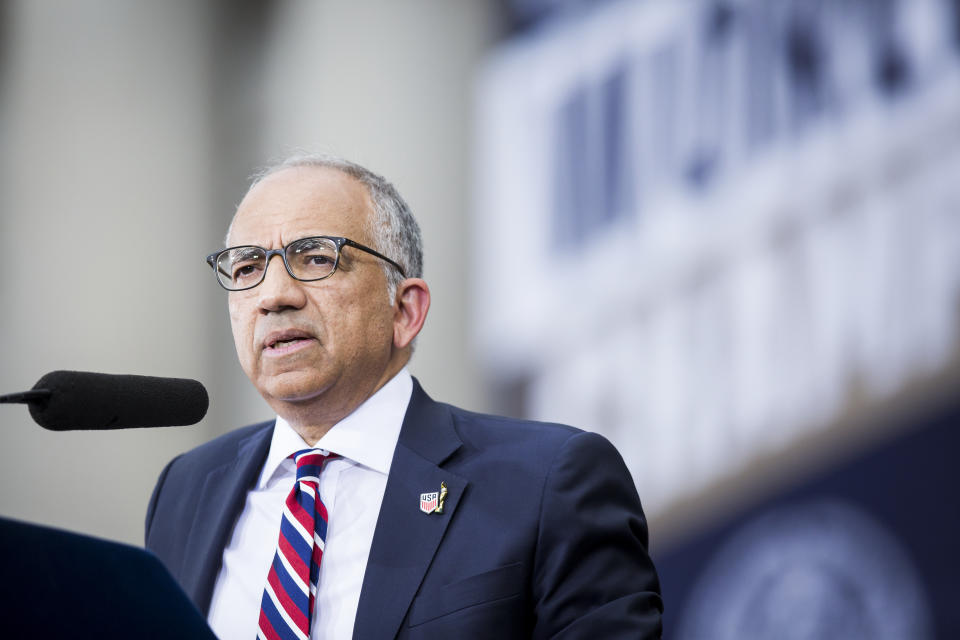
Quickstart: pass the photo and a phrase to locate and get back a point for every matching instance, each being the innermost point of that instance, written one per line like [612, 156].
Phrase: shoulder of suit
[490, 420]
[473, 425]
[538, 446]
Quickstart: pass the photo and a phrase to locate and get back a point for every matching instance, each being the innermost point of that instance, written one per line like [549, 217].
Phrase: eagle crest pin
[432, 501]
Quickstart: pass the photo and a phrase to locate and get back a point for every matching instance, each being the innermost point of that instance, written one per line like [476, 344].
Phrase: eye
[245, 271]
[319, 260]
[312, 258]
[244, 264]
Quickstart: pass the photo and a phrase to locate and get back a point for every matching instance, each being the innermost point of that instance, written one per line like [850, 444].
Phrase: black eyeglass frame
[339, 241]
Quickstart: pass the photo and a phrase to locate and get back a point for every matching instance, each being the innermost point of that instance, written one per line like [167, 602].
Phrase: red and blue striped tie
[289, 595]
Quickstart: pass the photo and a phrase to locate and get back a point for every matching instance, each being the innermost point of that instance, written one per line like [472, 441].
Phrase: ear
[412, 304]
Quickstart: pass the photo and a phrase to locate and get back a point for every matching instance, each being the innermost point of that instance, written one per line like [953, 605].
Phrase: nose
[279, 291]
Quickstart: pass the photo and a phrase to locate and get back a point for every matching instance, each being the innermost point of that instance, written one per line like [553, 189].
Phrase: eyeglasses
[307, 259]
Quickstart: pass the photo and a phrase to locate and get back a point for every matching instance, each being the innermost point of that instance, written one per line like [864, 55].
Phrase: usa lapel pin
[432, 501]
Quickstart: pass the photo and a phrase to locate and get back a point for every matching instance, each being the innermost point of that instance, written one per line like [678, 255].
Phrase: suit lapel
[406, 539]
[221, 500]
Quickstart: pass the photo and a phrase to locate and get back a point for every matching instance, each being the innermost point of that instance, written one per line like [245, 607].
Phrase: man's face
[327, 342]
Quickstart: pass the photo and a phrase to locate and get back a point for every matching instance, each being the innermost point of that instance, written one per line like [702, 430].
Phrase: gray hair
[395, 231]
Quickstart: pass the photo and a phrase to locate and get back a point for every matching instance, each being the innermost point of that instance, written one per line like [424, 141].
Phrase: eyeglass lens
[308, 259]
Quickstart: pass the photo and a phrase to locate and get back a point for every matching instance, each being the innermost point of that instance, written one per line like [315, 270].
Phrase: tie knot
[310, 463]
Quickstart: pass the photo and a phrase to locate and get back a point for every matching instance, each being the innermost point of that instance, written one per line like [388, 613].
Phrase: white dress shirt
[351, 487]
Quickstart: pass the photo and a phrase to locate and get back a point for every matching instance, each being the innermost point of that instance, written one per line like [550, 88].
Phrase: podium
[57, 584]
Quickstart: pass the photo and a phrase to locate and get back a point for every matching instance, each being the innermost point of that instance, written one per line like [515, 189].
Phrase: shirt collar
[367, 436]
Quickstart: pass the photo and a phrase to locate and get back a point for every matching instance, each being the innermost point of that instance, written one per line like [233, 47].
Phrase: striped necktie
[289, 595]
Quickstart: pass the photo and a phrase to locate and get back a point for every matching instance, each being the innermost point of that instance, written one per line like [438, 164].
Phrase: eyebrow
[306, 242]
[245, 253]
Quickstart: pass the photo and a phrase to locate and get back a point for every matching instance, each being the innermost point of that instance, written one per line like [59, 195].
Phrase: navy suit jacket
[542, 533]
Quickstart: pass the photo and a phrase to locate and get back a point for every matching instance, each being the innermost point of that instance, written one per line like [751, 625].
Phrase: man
[426, 521]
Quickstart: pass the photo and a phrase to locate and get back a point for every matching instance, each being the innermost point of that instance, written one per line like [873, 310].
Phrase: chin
[293, 387]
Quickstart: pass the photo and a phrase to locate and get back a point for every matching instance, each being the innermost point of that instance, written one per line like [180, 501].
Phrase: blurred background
[723, 233]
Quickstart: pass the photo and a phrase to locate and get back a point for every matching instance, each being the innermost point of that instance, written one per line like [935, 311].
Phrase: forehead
[301, 201]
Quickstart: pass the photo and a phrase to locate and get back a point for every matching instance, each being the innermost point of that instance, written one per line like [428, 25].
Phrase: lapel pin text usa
[432, 501]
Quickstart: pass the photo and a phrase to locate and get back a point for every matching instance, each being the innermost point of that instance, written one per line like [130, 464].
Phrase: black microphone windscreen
[81, 400]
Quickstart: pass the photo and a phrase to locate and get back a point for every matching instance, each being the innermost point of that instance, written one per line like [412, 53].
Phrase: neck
[310, 435]
[313, 419]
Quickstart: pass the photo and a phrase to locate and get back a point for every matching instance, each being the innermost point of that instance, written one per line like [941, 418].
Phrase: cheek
[357, 326]
[242, 328]
[373, 328]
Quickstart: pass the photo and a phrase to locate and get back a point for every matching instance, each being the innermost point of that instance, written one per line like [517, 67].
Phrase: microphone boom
[70, 400]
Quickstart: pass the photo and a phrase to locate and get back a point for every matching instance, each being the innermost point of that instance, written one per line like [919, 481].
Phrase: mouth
[283, 342]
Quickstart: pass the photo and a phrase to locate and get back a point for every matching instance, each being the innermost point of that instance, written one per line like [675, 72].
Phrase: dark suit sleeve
[593, 577]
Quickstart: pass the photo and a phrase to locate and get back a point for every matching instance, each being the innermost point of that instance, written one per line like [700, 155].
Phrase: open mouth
[286, 342]
[280, 344]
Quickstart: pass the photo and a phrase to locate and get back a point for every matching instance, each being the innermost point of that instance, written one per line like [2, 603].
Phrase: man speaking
[366, 509]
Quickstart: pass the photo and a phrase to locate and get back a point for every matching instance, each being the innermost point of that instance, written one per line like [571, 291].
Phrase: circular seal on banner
[825, 569]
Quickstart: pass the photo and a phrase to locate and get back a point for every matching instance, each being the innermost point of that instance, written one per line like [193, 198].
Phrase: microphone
[71, 400]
